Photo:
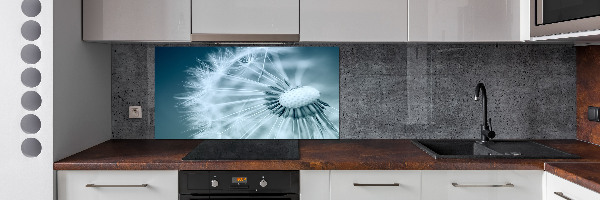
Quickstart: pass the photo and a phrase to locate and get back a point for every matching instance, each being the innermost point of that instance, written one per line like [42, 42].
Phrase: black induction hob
[245, 150]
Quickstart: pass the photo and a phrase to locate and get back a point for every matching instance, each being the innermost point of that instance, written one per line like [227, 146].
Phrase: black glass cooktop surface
[245, 150]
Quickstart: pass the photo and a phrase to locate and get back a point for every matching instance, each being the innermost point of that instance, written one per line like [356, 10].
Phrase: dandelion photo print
[247, 93]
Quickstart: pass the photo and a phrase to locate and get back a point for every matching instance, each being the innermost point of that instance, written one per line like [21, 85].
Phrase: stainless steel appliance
[555, 17]
[234, 185]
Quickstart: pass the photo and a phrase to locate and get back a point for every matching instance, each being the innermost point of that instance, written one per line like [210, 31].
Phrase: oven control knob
[214, 183]
[263, 183]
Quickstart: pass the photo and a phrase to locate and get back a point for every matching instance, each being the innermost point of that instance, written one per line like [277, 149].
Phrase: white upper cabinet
[307, 20]
[354, 20]
[468, 20]
[245, 20]
[136, 20]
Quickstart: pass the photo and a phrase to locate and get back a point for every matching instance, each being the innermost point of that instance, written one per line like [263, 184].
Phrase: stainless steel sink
[493, 149]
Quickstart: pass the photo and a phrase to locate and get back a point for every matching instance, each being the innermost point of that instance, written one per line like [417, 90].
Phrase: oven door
[237, 197]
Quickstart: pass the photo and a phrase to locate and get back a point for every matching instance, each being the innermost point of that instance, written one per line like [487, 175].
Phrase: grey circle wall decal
[31, 77]
[31, 30]
[31, 100]
[31, 147]
[31, 8]
[31, 54]
[31, 124]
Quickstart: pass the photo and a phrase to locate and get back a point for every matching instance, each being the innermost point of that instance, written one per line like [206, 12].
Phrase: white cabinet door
[468, 20]
[117, 185]
[245, 17]
[136, 20]
[482, 184]
[375, 185]
[314, 184]
[354, 20]
[561, 189]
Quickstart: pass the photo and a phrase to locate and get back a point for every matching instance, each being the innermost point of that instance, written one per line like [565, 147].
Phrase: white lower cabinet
[482, 184]
[341, 185]
[314, 184]
[561, 189]
[117, 185]
[375, 185]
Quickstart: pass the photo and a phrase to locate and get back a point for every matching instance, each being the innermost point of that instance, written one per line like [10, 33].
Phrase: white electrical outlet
[135, 112]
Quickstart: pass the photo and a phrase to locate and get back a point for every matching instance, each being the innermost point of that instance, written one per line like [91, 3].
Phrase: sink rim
[436, 155]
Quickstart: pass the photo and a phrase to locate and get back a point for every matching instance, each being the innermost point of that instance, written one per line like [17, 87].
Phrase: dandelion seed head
[239, 93]
[298, 97]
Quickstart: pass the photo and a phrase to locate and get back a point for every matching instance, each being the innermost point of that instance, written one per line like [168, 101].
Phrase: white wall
[24, 177]
[82, 84]
[74, 88]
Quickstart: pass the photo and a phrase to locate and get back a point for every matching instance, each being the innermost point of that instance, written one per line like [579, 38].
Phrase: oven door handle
[99, 186]
[192, 197]
[250, 197]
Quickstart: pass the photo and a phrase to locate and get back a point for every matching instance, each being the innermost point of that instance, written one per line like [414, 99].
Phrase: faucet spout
[481, 88]
[486, 132]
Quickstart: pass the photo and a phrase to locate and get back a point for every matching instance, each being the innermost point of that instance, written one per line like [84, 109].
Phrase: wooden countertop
[581, 173]
[331, 155]
[314, 155]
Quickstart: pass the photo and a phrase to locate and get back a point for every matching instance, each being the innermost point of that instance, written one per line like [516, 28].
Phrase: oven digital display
[239, 180]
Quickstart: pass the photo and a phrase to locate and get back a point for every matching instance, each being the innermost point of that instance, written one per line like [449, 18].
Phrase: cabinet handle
[560, 194]
[505, 185]
[94, 185]
[361, 184]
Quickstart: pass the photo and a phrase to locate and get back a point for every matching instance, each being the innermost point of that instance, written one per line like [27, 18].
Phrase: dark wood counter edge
[577, 172]
[220, 165]
[341, 155]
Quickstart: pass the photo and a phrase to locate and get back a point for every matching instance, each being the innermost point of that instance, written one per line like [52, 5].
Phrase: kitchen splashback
[246, 93]
[407, 90]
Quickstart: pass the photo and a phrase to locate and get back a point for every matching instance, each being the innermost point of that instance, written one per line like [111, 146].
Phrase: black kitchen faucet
[486, 129]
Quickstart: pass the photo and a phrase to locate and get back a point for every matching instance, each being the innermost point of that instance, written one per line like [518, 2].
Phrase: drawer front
[407, 185]
[566, 190]
[161, 185]
[482, 184]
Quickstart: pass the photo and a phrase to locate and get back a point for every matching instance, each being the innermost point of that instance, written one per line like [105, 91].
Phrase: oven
[555, 17]
[234, 185]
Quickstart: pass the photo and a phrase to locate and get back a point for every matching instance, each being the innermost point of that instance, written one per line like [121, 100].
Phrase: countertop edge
[578, 179]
